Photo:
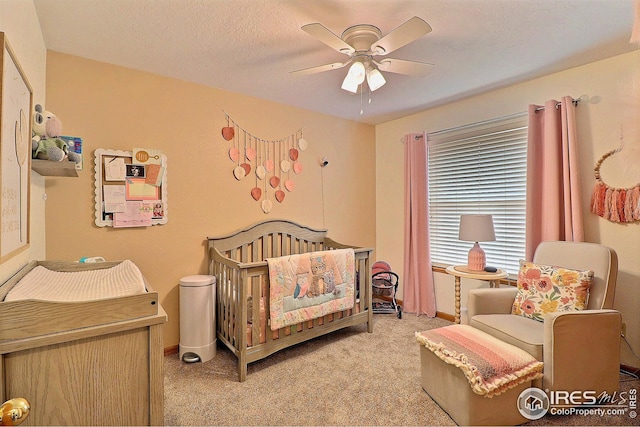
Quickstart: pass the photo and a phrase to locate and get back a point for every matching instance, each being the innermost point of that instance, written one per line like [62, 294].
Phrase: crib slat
[286, 243]
[255, 312]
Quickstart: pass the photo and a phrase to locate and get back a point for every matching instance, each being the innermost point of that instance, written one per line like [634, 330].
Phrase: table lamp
[476, 228]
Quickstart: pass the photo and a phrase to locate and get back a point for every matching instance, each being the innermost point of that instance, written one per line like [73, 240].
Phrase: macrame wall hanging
[618, 204]
[614, 204]
[271, 162]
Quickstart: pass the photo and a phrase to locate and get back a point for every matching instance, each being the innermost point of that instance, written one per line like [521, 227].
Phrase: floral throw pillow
[546, 289]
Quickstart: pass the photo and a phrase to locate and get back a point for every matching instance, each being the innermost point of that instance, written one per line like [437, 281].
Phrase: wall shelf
[49, 168]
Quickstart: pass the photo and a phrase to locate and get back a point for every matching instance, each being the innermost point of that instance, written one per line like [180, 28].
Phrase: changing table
[97, 362]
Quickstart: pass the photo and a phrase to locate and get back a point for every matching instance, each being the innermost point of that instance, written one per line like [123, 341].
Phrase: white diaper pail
[197, 318]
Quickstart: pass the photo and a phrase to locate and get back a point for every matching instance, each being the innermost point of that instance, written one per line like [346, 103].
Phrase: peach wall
[118, 108]
[613, 86]
[19, 22]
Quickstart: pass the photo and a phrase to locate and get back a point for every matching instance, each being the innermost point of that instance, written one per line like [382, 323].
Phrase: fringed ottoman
[473, 376]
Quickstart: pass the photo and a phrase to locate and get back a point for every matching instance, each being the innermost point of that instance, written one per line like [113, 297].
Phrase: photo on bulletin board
[136, 171]
[15, 154]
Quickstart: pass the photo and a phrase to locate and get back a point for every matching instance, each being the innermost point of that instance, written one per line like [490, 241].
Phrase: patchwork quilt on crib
[310, 285]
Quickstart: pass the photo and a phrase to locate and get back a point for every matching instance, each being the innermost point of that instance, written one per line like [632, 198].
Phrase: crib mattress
[44, 284]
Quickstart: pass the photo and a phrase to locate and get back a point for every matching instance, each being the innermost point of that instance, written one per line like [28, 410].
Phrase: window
[479, 169]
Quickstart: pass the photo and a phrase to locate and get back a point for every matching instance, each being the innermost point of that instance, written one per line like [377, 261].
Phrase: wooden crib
[242, 286]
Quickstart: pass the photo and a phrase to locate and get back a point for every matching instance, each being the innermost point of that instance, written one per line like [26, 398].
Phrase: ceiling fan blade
[411, 30]
[401, 66]
[323, 34]
[321, 68]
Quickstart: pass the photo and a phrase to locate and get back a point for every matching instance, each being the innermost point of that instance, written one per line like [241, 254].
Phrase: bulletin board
[130, 188]
[15, 154]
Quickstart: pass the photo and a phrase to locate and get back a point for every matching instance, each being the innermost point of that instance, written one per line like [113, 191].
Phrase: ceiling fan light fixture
[357, 72]
[375, 79]
[350, 84]
[355, 76]
[362, 43]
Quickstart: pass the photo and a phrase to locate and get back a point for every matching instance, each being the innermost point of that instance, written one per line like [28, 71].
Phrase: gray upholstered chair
[580, 349]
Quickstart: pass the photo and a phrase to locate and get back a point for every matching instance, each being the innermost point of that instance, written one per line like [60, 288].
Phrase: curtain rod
[574, 101]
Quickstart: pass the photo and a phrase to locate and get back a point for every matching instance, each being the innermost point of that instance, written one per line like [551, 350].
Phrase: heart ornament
[302, 144]
[297, 168]
[256, 193]
[234, 153]
[250, 154]
[280, 196]
[268, 164]
[274, 181]
[246, 167]
[239, 172]
[289, 185]
[261, 172]
[266, 205]
[228, 133]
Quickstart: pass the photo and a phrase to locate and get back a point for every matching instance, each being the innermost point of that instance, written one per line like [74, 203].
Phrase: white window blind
[479, 169]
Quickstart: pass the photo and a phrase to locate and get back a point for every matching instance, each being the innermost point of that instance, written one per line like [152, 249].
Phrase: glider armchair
[580, 349]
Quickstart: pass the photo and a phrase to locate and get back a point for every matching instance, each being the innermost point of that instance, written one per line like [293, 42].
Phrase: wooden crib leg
[242, 368]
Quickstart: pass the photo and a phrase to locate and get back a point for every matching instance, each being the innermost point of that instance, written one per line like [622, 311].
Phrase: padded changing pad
[41, 283]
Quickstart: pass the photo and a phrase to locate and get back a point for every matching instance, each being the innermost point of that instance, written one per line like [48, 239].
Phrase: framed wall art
[15, 153]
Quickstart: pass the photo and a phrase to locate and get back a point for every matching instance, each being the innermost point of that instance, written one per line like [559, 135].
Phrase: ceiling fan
[363, 44]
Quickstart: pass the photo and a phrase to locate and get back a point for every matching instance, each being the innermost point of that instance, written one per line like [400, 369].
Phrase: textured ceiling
[250, 46]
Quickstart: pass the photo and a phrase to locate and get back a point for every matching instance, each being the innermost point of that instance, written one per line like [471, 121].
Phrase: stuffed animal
[46, 143]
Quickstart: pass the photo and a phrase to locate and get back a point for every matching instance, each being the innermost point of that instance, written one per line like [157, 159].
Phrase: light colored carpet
[348, 377]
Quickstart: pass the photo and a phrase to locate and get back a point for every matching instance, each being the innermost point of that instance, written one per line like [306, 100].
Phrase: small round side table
[459, 271]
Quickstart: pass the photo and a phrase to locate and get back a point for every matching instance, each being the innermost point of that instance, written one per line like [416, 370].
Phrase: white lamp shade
[357, 72]
[375, 79]
[476, 228]
[350, 84]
